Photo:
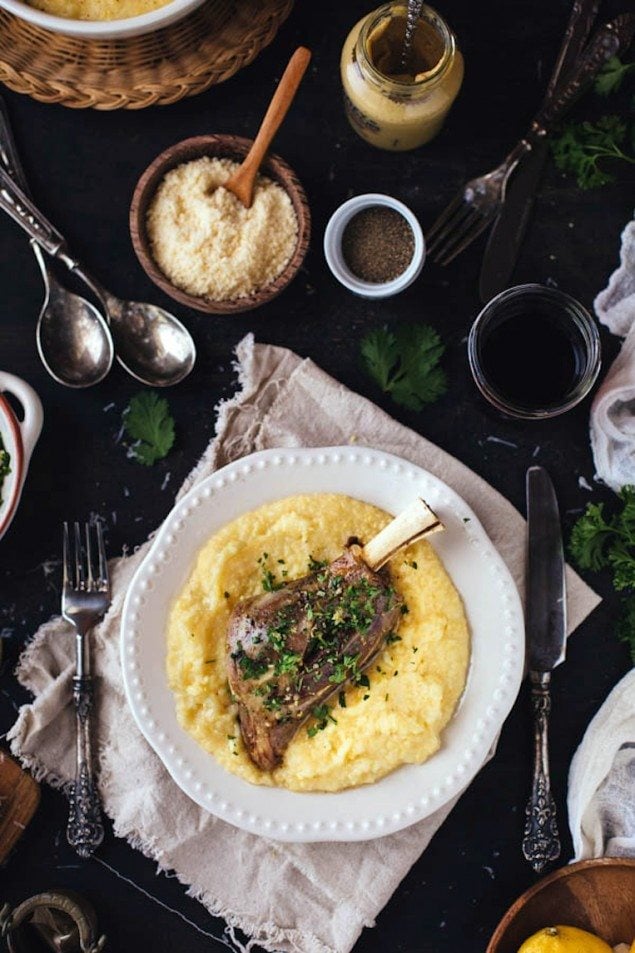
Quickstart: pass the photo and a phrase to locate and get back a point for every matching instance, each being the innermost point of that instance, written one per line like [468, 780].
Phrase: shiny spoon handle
[16, 203]
[9, 152]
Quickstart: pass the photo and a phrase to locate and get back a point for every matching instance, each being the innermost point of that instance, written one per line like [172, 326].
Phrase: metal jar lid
[60, 920]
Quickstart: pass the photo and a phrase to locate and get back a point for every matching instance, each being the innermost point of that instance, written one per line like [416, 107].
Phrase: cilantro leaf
[611, 76]
[580, 147]
[148, 421]
[405, 364]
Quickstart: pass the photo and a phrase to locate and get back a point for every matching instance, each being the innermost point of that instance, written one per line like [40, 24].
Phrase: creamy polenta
[97, 9]
[415, 683]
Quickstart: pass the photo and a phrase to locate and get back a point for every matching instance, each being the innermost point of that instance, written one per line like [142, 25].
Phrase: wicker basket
[207, 47]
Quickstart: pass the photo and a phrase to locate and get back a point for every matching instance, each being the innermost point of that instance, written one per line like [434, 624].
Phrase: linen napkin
[300, 898]
[613, 410]
[602, 779]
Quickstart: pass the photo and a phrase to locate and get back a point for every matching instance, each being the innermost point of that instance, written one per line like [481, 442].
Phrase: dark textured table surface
[82, 166]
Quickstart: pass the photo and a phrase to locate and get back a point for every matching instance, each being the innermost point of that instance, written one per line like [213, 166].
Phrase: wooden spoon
[242, 181]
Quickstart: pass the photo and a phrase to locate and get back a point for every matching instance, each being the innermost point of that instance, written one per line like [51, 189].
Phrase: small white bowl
[103, 29]
[333, 247]
[19, 439]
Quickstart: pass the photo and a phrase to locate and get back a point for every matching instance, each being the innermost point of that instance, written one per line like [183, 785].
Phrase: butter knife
[546, 626]
[508, 231]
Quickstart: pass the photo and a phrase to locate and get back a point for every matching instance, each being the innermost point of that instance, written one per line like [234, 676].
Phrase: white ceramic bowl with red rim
[19, 438]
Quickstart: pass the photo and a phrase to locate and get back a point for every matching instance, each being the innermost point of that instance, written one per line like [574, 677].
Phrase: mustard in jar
[388, 106]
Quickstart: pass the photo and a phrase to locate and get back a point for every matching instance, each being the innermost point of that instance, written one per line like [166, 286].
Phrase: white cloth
[601, 798]
[613, 410]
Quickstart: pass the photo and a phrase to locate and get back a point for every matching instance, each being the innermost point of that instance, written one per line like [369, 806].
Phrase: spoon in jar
[151, 344]
[77, 352]
[243, 180]
[412, 18]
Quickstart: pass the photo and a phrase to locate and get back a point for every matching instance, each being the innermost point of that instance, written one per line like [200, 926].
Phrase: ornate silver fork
[85, 599]
[480, 200]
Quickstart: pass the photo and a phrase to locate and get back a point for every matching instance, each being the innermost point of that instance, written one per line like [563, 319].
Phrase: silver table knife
[509, 228]
[546, 625]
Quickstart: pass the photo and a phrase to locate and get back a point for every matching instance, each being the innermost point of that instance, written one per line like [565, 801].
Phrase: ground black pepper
[378, 244]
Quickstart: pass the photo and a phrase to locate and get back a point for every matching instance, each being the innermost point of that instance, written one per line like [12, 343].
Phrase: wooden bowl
[227, 147]
[595, 895]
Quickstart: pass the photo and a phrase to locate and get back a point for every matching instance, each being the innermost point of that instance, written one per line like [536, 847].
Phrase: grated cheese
[207, 243]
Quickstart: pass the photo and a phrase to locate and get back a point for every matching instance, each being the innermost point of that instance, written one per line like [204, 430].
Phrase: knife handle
[541, 841]
[606, 42]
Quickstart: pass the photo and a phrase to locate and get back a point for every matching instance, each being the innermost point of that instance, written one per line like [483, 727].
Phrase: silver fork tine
[450, 227]
[89, 559]
[444, 216]
[466, 241]
[457, 234]
[79, 568]
[103, 562]
[66, 558]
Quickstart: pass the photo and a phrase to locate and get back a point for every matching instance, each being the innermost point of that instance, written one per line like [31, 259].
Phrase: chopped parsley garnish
[268, 580]
[322, 715]
[391, 638]
[250, 667]
[342, 699]
[5, 465]
[316, 564]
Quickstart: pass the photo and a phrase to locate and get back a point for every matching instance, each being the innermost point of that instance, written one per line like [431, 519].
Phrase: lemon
[562, 939]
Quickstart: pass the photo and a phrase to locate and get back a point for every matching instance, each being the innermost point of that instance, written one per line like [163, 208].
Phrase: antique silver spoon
[150, 343]
[412, 18]
[76, 351]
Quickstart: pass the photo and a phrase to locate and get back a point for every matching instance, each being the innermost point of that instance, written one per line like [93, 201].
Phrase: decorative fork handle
[606, 42]
[85, 830]
[541, 842]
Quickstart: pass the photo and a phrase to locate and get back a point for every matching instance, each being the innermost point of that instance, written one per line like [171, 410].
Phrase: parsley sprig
[405, 363]
[148, 421]
[607, 541]
[612, 75]
[581, 146]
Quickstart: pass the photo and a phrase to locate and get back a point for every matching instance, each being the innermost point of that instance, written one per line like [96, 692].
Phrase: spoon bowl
[229, 147]
[73, 339]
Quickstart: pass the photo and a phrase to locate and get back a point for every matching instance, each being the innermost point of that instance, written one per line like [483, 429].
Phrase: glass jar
[389, 108]
[534, 352]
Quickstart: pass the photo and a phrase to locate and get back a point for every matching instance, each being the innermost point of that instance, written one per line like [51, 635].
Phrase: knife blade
[546, 613]
[546, 626]
[506, 235]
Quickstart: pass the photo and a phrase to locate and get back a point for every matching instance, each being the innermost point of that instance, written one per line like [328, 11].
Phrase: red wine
[533, 358]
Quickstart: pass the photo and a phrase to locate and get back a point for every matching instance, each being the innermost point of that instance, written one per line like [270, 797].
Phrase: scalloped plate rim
[366, 811]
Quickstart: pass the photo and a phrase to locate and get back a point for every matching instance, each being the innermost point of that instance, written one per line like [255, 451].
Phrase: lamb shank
[291, 649]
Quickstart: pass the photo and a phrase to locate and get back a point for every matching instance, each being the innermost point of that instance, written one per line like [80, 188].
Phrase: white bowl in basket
[19, 438]
[413, 791]
[103, 29]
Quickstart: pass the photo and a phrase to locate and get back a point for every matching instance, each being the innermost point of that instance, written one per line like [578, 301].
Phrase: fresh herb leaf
[611, 76]
[404, 363]
[600, 541]
[148, 421]
[322, 714]
[580, 147]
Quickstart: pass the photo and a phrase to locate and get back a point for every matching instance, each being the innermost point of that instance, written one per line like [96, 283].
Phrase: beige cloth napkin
[306, 898]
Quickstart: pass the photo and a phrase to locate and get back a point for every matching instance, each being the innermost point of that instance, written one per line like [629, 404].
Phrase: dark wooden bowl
[228, 147]
[595, 895]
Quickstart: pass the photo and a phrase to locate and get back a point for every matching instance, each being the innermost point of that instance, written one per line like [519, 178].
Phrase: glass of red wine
[534, 352]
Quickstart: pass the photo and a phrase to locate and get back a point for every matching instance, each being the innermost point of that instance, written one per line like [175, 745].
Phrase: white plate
[413, 791]
[103, 29]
